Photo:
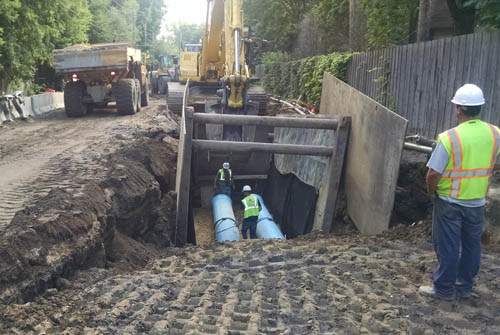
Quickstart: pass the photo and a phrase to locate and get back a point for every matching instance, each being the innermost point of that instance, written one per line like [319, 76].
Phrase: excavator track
[175, 97]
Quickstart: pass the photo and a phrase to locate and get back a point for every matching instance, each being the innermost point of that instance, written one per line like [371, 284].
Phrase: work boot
[429, 291]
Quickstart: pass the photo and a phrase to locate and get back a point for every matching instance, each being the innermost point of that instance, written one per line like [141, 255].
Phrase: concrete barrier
[58, 99]
[27, 108]
[32, 106]
[42, 103]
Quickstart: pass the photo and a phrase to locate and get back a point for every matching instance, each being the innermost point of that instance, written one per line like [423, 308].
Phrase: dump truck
[98, 74]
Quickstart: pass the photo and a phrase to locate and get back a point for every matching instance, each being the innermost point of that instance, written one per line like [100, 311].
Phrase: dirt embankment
[116, 222]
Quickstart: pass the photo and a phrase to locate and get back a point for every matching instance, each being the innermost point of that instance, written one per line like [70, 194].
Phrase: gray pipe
[419, 148]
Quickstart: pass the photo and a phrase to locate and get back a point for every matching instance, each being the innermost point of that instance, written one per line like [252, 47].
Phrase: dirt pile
[412, 204]
[118, 221]
[313, 285]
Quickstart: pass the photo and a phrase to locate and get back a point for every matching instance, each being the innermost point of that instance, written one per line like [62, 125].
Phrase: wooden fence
[418, 81]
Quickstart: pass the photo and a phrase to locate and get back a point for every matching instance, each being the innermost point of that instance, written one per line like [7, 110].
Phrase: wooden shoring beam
[287, 149]
[273, 121]
[236, 177]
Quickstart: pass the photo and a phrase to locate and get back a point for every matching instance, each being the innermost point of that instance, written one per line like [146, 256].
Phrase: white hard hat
[225, 165]
[247, 188]
[469, 95]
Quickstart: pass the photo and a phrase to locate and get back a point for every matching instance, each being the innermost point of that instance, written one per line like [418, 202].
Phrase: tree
[487, 12]
[390, 22]
[424, 26]
[185, 33]
[357, 25]
[32, 29]
[464, 15]
[113, 21]
[276, 20]
[149, 19]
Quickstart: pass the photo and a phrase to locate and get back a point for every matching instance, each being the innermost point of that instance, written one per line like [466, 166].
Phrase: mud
[313, 285]
[117, 218]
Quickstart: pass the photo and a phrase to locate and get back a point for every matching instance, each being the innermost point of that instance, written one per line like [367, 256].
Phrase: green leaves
[388, 22]
[488, 12]
[31, 29]
[301, 79]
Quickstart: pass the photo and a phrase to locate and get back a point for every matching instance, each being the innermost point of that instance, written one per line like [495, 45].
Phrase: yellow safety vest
[223, 175]
[251, 204]
[472, 147]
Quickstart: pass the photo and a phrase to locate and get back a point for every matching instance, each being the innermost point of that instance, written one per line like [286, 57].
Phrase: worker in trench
[223, 183]
[458, 178]
[251, 207]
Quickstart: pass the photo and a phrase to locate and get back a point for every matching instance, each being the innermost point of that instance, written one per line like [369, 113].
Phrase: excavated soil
[97, 192]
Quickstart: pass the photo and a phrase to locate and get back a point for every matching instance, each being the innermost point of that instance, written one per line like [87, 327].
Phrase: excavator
[219, 76]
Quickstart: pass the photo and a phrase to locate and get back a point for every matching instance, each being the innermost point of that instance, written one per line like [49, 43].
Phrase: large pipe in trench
[226, 229]
[266, 227]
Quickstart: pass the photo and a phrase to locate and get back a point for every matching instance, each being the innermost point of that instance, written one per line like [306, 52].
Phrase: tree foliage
[149, 20]
[32, 29]
[487, 11]
[113, 21]
[185, 33]
[301, 79]
[390, 22]
[276, 20]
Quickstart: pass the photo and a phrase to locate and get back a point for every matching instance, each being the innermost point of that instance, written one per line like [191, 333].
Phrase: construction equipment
[216, 70]
[168, 71]
[98, 74]
[189, 63]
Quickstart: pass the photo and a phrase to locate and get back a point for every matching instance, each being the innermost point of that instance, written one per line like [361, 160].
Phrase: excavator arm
[236, 71]
[223, 53]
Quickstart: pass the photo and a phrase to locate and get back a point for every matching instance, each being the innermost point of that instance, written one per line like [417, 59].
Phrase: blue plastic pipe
[266, 227]
[226, 229]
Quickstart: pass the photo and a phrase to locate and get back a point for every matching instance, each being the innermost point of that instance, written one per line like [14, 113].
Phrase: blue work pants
[250, 223]
[456, 234]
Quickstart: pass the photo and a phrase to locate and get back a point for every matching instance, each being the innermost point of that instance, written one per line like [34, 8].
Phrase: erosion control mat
[117, 222]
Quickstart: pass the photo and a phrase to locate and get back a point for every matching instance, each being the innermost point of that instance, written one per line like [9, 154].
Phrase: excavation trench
[119, 223]
[127, 218]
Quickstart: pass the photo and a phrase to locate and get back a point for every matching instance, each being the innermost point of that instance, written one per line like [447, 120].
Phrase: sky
[188, 11]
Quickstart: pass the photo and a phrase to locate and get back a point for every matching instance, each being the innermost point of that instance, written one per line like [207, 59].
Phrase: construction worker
[458, 177]
[223, 182]
[251, 207]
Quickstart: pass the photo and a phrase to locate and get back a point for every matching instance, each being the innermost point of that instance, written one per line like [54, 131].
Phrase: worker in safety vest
[223, 182]
[251, 215]
[458, 177]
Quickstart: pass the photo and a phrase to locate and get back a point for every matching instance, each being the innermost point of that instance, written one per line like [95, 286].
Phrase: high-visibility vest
[251, 204]
[223, 175]
[472, 147]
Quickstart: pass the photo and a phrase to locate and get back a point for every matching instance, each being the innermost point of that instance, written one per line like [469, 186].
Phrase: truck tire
[145, 95]
[126, 96]
[73, 99]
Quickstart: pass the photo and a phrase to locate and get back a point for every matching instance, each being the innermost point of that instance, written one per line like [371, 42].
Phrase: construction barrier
[46, 102]
[12, 109]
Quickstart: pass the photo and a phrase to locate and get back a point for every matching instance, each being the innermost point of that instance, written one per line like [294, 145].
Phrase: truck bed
[97, 57]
